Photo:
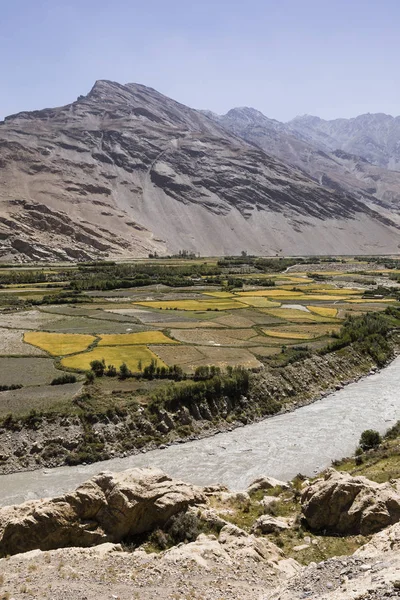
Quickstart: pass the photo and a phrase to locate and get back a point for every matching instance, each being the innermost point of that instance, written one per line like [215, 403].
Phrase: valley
[95, 368]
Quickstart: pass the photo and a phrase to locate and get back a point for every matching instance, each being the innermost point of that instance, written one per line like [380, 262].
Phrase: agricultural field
[188, 313]
[59, 344]
[133, 356]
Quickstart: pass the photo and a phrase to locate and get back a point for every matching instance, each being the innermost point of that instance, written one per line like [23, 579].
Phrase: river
[304, 441]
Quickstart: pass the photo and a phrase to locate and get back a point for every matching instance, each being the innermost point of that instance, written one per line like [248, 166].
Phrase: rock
[107, 508]
[267, 483]
[301, 547]
[240, 544]
[199, 551]
[267, 524]
[345, 505]
[268, 503]
[239, 497]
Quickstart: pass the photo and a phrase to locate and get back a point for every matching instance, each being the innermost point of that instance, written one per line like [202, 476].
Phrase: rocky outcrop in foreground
[221, 560]
[107, 508]
[345, 505]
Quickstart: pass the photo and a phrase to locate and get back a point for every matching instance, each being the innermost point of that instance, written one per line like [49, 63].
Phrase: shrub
[67, 378]
[370, 439]
[98, 367]
[89, 377]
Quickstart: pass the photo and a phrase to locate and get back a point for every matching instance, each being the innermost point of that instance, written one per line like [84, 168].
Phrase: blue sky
[331, 58]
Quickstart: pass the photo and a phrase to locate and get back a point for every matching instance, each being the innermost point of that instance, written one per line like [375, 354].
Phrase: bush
[98, 367]
[124, 372]
[89, 377]
[184, 527]
[67, 378]
[370, 439]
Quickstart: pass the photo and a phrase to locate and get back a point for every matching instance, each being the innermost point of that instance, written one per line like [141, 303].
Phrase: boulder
[268, 503]
[267, 524]
[107, 508]
[267, 483]
[343, 504]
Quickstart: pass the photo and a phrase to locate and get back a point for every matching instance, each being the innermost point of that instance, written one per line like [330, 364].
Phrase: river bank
[54, 440]
[306, 440]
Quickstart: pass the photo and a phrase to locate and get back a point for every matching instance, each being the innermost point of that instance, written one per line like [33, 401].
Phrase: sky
[330, 58]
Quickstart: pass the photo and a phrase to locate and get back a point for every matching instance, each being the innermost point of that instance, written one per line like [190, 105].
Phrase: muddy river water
[304, 441]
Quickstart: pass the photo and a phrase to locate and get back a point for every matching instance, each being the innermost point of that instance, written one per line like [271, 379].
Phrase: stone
[342, 504]
[267, 524]
[267, 483]
[268, 503]
[107, 508]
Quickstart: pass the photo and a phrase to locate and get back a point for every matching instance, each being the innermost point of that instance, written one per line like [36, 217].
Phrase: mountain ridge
[125, 171]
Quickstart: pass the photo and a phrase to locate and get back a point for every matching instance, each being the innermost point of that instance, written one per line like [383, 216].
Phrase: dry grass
[141, 338]
[113, 355]
[59, 344]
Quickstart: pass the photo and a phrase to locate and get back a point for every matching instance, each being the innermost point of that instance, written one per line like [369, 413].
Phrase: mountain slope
[327, 163]
[125, 170]
[375, 137]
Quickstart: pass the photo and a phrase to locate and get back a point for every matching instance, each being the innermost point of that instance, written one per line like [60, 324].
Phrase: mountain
[125, 171]
[375, 137]
[340, 159]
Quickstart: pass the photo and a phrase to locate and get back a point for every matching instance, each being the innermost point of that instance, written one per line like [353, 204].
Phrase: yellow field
[323, 311]
[271, 293]
[291, 278]
[113, 355]
[127, 339]
[193, 304]
[293, 314]
[296, 335]
[320, 296]
[372, 300]
[219, 294]
[301, 332]
[259, 302]
[342, 291]
[59, 344]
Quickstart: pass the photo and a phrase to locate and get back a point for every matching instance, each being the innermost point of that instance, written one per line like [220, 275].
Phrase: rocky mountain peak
[126, 170]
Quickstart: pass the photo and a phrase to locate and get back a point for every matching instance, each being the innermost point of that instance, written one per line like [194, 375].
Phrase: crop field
[29, 319]
[301, 332]
[193, 305]
[214, 337]
[271, 293]
[27, 371]
[57, 398]
[59, 344]
[189, 320]
[12, 344]
[294, 314]
[133, 356]
[142, 338]
[92, 326]
[195, 356]
[324, 311]
[259, 302]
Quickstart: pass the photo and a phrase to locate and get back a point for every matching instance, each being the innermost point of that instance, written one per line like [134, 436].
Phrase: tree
[370, 439]
[124, 372]
[98, 367]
